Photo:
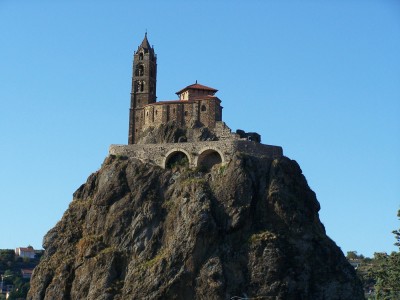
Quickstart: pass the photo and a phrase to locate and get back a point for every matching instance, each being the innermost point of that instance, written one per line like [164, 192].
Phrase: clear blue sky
[319, 78]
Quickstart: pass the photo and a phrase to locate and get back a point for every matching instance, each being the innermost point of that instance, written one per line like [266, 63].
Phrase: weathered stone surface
[170, 132]
[249, 229]
[164, 141]
[159, 153]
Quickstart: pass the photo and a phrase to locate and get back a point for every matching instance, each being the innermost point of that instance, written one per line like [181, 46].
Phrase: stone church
[189, 128]
[197, 103]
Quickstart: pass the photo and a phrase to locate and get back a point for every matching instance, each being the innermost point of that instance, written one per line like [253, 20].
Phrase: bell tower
[143, 92]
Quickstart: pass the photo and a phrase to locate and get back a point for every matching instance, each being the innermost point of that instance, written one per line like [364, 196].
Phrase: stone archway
[176, 157]
[209, 158]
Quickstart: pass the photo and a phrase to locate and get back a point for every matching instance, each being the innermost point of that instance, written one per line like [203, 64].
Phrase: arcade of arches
[207, 159]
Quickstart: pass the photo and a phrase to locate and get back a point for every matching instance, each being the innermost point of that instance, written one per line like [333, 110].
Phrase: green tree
[386, 272]
[397, 232]
[7, 254]
[354, 255]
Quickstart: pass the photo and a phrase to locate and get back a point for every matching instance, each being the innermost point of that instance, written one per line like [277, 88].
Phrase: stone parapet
[159, 153]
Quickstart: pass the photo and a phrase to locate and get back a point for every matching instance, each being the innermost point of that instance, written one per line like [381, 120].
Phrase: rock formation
[246, 229]
[173, 133]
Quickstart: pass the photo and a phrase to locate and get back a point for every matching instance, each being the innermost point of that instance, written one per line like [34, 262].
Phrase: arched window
[139, 70]
[140, 86]
[141, 56]
[203, 108]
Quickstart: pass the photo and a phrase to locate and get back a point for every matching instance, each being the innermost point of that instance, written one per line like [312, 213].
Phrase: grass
[107, 250]
[221, 169]
[169, 204]
[82, 202]
[262, 236]
[150, 263]
[86, 242]
[180, 162]
[193, 180]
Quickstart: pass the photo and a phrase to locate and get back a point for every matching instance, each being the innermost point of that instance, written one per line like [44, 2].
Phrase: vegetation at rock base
[10, 270]
[380, 275]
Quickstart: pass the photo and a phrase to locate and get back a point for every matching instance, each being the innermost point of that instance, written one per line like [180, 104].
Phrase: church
[188, 129]
[196, 104]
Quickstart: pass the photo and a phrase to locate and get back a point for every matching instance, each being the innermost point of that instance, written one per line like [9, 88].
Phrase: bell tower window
[139, 70]
[139, 86]
[141, 56]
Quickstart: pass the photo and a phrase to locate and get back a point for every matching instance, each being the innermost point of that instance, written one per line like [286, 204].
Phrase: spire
[145, 43]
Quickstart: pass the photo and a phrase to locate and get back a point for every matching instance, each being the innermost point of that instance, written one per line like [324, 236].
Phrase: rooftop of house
[26, 249]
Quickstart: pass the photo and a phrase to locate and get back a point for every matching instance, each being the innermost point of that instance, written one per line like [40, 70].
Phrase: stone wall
[184, 113]
[159, 153]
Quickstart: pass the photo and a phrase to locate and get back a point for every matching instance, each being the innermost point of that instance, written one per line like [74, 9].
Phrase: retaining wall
[158, 153]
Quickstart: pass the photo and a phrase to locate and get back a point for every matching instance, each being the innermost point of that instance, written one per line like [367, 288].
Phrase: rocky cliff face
[172, 133]
[248, 229]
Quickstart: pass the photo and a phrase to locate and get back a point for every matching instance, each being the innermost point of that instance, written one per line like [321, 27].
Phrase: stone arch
[176, 155]
[209, 157]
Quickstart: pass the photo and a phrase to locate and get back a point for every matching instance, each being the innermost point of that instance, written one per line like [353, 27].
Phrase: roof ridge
[197, 86]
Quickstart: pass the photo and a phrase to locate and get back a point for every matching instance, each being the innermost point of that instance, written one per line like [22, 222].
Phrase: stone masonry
[197, 106]
[196, 152]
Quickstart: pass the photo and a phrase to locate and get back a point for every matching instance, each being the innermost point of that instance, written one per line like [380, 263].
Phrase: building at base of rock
[188, 129]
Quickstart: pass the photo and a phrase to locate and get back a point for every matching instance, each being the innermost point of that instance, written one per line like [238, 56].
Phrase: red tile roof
[204, 97]
[208, 97]
[197, 86]
[26, 249]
